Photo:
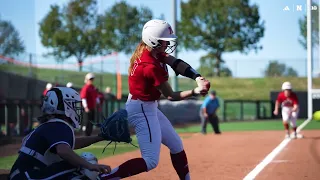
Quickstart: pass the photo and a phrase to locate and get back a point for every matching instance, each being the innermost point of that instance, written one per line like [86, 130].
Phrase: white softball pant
[152, 128]
[287, 115]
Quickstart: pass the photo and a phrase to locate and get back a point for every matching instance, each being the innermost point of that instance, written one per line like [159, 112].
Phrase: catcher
[47, 152]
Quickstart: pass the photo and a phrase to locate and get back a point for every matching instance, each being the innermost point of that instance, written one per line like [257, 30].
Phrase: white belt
[34, 154]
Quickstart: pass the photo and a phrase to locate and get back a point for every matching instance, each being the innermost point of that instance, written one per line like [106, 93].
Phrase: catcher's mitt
[115, 128]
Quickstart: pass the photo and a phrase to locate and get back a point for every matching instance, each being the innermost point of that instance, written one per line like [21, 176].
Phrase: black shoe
[218, 133]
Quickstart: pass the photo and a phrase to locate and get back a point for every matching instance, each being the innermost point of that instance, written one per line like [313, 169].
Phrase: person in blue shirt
[208, 112]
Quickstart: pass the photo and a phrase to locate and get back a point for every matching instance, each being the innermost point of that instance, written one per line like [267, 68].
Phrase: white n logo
[299, 7]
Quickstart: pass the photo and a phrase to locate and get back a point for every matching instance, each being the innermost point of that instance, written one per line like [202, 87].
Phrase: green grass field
[227, 88]
[6, 162]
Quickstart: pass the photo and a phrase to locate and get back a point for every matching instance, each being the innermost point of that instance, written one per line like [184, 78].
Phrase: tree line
[76, 29]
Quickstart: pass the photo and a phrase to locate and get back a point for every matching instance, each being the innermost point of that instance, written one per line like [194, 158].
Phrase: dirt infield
[231, 156]
[299, 160]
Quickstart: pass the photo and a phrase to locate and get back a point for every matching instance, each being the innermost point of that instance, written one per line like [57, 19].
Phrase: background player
[290, 108]
[147, 81]
[47, 152]
[90, 99]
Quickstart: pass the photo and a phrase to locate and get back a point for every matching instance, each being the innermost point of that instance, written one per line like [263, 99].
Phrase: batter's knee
[285, 120]
[294, 115]
[152, 162]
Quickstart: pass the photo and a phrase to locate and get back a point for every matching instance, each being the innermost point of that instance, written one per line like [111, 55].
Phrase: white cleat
[296, 136]
[299, 136]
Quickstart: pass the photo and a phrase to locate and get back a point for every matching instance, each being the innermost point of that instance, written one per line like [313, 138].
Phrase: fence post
[6, 120]
[29, 126]
[272, 106]
[258, 109]
[224, 110]
[241, 110]
[107, 101]
[119, 103]
[18, 125]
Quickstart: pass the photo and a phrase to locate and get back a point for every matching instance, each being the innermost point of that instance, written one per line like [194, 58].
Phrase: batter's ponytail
[137, 54]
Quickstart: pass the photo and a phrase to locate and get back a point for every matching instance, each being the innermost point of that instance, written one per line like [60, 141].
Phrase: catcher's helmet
[63, 101]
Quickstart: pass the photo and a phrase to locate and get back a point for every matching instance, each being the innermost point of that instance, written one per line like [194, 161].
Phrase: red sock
[286, 126]
[294, 129]
[180, 164]
[129, 168]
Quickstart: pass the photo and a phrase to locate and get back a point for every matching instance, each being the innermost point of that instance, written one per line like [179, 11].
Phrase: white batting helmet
[286, 85]
[156, 30]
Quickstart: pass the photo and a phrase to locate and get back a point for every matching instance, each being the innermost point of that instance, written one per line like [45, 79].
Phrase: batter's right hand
[203, 83]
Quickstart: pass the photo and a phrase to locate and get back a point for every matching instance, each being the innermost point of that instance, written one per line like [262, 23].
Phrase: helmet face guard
[75, 106]
[170, 45]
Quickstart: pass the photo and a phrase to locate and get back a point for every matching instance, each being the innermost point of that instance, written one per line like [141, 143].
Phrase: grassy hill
[227, 88]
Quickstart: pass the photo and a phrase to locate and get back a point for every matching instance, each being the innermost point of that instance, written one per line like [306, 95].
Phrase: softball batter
[148, 79]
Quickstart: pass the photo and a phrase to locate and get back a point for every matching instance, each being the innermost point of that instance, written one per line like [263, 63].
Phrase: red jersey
[89, 93]
[44, 92]
[287, 101]
[146, 74]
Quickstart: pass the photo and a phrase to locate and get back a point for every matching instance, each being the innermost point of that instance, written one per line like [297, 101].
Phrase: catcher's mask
[63, 101]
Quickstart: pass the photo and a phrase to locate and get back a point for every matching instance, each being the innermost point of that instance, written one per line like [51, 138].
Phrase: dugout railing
[247, 110]
[18, 116]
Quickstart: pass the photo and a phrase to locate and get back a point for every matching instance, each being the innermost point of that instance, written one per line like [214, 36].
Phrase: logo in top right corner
[300, 7]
